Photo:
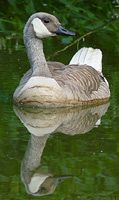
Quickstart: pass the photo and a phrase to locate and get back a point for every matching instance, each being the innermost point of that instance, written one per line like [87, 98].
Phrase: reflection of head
[37, 181]
[41, 184]
[31, 175]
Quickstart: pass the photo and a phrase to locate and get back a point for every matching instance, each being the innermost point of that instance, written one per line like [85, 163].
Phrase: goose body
[52, 84]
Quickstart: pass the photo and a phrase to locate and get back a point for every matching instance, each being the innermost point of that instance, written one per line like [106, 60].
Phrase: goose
[52, 84]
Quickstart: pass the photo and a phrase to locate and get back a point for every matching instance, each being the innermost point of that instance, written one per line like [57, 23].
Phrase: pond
[68, 153]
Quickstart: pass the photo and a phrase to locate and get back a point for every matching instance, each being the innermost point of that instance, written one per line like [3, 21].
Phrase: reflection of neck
[36, 57]
[34, 152]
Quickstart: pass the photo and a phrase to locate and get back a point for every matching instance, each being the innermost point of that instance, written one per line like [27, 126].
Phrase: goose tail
[88, 56]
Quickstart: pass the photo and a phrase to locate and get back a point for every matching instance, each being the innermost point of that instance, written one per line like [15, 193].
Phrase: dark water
[67, 153]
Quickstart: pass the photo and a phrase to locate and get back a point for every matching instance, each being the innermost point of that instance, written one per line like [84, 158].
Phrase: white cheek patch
[40, 29]
[36, 182]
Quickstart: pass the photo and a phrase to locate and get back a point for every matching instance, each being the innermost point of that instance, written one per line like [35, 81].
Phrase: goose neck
[37, 58]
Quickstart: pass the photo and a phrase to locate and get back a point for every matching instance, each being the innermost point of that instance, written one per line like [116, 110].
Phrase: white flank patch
[40, 29]
[48, 87]
[42, 81]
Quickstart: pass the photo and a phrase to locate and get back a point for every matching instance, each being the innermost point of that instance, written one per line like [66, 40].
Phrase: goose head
[41, 25]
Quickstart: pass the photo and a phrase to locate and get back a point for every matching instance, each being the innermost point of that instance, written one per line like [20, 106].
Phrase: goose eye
[43, 189]
[46, 20]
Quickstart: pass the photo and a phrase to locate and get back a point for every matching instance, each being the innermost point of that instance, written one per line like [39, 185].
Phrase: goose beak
[59, 179]
[63, 31]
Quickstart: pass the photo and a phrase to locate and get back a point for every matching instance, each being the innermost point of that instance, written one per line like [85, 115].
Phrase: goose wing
[81, 77]
[81, 82]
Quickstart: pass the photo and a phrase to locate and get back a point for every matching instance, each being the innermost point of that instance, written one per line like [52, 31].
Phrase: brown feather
[80, 80]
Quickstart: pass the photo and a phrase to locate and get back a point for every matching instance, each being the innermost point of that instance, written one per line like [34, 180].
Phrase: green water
[74, 152]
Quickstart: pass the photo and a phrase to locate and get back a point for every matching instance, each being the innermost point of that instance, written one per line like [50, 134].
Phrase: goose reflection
[43, 122]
